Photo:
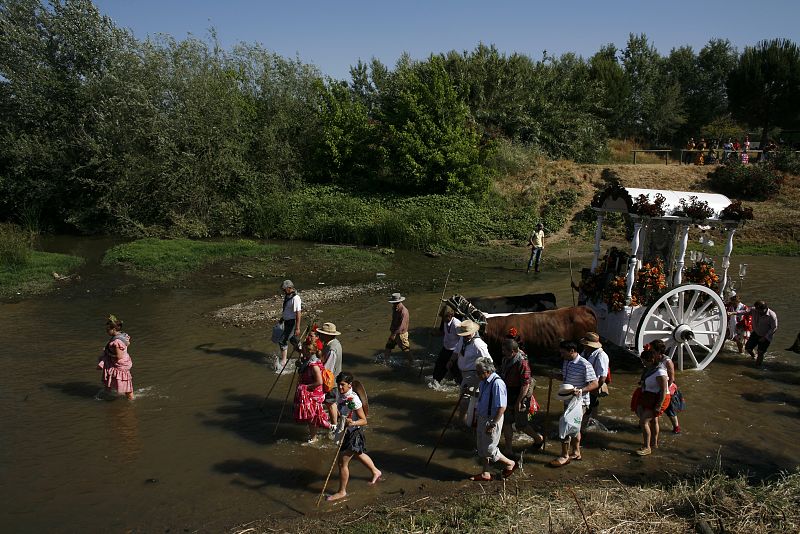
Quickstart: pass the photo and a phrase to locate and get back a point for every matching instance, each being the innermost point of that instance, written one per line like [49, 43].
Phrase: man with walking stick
[290, 318]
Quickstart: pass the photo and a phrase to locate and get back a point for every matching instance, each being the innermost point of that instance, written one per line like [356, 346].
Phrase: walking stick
[436, 318]
[571, 280]
[439, 441]
[280, 416]
[290, 357]
[546, 422]
[338, 450]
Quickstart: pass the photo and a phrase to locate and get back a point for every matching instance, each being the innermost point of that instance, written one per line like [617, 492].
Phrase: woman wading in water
[353, 417]
[115, 362]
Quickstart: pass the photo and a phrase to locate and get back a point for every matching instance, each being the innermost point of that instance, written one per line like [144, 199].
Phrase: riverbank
[709, 503]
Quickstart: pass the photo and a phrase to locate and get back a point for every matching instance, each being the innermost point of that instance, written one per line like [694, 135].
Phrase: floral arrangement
[736, 212]
[643, 207]
[651, 282]
[614, 295]
[695, 209]
[703, 273]
[614, 190]
[592, 285]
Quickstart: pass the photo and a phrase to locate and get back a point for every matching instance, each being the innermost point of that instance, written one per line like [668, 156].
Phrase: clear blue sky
[334, 35]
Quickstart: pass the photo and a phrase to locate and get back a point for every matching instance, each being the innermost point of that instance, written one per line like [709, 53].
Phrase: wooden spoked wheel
[691, 319]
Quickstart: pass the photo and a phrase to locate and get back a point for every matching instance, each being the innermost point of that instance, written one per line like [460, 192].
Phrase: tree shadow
[243, 417]
[84, 390]
[766, 374]
[250, 355]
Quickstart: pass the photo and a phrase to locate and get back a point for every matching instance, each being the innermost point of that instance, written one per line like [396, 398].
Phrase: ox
[533, 302]
[539, 332]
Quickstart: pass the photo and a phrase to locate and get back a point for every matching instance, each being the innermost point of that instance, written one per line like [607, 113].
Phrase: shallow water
[194, 451]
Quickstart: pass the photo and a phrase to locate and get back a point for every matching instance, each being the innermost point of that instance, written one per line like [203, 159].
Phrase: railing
[664, 151]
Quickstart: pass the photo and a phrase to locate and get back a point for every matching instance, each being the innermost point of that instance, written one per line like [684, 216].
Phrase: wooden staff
[546, 422]
[439, 441]
[290, 357]
[571, 279]
[436, 318]
[333, 464]
[283, 406]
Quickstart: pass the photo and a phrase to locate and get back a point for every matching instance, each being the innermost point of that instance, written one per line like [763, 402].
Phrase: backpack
[328, 380]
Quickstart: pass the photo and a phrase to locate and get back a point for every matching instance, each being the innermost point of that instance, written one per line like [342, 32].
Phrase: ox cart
[651, 293]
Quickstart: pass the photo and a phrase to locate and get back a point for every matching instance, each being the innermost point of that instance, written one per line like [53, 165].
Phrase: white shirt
[450, 340]
[472, 351]
[291, 308]
[599, 360]
[341, 404]
[651, 382]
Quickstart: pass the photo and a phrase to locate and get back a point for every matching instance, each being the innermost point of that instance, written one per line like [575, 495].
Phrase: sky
[333, 35]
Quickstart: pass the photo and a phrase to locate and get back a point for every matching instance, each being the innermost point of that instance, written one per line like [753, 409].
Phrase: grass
[35, 276]
[619, 151]
[713, 502]
[348, 259]
[165, 259]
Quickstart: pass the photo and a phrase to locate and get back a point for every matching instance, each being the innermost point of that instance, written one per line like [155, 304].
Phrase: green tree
[605, 68]
[764, 88]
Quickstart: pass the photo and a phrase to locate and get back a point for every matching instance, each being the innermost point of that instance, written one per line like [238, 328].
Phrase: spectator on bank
[690, 145]
[727, 148]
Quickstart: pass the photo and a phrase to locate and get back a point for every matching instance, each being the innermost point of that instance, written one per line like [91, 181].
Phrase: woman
[516, 373]
[309, 397]
[654, 384]
[353, 413]
[676, 403]
[115, 362]
[740, 324]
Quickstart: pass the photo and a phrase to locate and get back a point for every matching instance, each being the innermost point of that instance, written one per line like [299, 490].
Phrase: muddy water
[194, 452]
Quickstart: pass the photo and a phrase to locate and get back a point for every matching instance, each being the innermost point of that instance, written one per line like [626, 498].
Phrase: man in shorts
[398, 336]
[765, 323]
[291, 316]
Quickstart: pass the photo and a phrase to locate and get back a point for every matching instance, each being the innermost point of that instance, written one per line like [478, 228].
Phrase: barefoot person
[676, 402]
[398, 336]
[292, 314]
[652, 401]
[115, 362]
[309, 396]
[492, 402]
[765, 323]
[516, 373]
[353, 417]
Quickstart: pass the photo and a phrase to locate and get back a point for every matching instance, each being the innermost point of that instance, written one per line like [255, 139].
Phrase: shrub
[15, 246]
[556, 210]
[786, 160]
[750, 182]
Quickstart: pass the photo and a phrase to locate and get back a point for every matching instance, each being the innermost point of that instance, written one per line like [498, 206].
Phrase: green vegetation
[15, 246]
[164, 259]
[750, 182]
[346, 259]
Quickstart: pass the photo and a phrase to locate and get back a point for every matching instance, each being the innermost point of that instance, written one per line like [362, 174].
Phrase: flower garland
[695, 209]
[651, 282]
[736, 212]
[644, 208]
[614, 295]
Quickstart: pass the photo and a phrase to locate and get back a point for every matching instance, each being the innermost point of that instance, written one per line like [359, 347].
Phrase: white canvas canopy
[620, 204]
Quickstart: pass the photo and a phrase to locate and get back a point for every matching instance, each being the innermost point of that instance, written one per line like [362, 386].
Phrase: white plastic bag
[570, 422]
[471, 418]
[277, 333]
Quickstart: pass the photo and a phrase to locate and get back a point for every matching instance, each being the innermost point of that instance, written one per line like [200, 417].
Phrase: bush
[749, 182]
[15, 246]
[556, 210]
[786, 160]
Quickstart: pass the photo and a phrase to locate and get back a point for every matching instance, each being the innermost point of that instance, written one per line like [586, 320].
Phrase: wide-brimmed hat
[566, 391]
[396, 297]
[328, 329]
[468, 327]
[591, 339]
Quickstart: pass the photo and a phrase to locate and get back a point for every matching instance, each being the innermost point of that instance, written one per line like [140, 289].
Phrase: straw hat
[468, 327]
[566, 391]
[396, 297]
[328, 329]
[591, 339]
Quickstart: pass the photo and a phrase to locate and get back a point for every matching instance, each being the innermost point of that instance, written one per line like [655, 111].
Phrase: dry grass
[713, 503]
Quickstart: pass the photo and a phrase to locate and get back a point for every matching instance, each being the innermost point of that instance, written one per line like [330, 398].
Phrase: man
[594, 354]
[290, 318]
[449, 341]
[536, 240]
[332, 360]
[765, 323]
[398, 336]
[491, 406]
[577, 371]
[469, 348]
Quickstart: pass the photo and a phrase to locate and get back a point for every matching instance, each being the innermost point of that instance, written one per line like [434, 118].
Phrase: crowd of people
[708, 153]
[496, 400]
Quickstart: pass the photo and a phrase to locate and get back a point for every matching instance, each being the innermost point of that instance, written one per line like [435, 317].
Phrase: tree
[764, 88]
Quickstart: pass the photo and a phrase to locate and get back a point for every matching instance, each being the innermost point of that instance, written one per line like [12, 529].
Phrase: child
[115, 362]
[354, 416]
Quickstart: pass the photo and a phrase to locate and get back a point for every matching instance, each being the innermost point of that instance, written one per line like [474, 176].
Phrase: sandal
[643, 451]
[480, 478]
[576, 457]
[558, 462]
[508, 472]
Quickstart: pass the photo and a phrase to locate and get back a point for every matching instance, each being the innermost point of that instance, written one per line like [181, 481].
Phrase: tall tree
[764, 88]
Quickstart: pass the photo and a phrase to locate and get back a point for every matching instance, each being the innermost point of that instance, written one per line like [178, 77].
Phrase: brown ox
[532, 302]
[539, 331]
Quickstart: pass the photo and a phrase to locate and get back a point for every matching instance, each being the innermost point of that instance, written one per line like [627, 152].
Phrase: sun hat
[468, 327]
[287, 284]
[328, 329]
[591, 339]
[396, 297]
[566, 391]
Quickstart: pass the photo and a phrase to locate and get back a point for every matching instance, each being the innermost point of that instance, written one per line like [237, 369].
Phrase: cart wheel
[691, 319]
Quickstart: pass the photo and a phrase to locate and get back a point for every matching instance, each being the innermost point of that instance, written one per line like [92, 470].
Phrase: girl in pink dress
[115, 362]
[309, 396]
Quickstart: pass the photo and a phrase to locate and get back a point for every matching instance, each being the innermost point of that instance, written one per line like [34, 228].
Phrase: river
[193, 452]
